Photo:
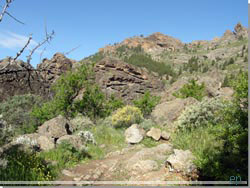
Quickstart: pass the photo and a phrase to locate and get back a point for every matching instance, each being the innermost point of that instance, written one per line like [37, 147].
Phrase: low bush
[200, 114]
[147, 103]
[191, 89]
[24, 166]
[147, 124]
[65, 155]
[126, 116]
[16, 112]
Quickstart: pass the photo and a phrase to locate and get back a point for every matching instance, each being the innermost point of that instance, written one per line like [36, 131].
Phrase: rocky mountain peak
[240, 31]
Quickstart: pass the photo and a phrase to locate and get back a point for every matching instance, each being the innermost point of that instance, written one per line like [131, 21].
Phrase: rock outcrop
[154, 43]
[56, 66]
[166, 113]
[124, 80]
[19, 78]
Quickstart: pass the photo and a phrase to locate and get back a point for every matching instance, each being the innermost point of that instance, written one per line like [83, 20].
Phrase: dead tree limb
[12, 60]
[10, 15]
[47, 38]
[73, 49]
[5, 7]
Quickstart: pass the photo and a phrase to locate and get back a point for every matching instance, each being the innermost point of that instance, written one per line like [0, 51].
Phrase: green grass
[65, 155]
[202, 142]
[112, 138]
[149, 142]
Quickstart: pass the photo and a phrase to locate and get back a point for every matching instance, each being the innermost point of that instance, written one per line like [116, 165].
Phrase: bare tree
[48, 38]
[4, 11]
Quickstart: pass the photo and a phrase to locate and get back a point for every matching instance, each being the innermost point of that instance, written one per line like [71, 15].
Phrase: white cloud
[12, 40]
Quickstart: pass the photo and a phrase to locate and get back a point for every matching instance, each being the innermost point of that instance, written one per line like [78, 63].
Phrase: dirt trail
[135, 163]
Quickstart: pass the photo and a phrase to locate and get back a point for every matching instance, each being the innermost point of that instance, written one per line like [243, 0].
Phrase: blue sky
[92, 24]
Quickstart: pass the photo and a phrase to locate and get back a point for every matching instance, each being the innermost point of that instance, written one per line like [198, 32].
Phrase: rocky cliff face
[155, 43]
[51, 69]
[124, 80]
[19, 78]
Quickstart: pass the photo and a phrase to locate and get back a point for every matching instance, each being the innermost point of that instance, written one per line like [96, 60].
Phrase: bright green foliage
[95, 104]
[126, 116]
[66, 89]
[147, 103]
[192, 89]
[24, 166]
[222, 147]
[65, 155]
[68, 86]
[144, 60]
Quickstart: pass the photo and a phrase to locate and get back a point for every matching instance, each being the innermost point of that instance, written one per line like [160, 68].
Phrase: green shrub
[66, 89]
[126, 116]
[65, 155]
[222, 147]
[24, 166]
[16, 112]
[147, 124]
[200, 114]
[144, 60]
[147, 103]
[192, 89]
[192, 65]
[93, 103]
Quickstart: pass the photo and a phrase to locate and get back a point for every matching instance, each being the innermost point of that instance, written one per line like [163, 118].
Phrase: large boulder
[56, 127]
[75, 140]
[134, 134]
[167, 112]
[181, 161]
[155, 133]
[45, 143]
[35, 140]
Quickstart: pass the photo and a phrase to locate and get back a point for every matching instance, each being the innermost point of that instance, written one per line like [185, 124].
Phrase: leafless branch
[5, 7]
[14, 18]
[21, 51]
[41, 54]
[12, 60]
[47, 38]
[73, 49]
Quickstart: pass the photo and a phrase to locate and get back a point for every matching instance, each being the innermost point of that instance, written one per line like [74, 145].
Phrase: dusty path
[135, 163]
